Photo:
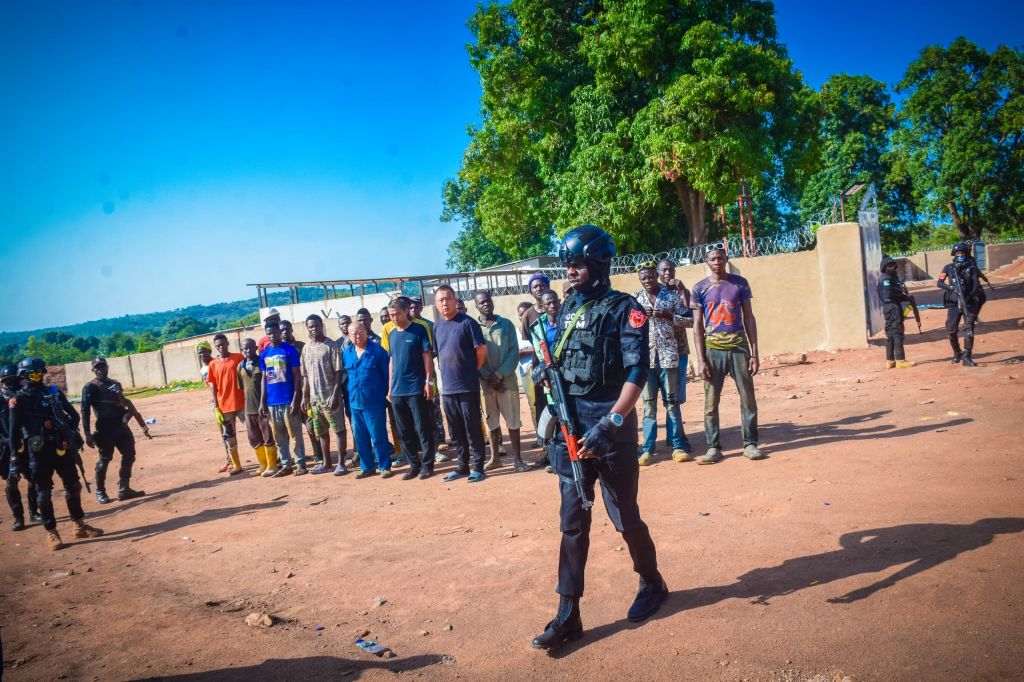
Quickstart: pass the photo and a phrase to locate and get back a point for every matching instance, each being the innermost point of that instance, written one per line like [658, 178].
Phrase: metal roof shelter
[498, 282]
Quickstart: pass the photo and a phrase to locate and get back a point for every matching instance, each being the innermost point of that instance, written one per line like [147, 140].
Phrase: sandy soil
[881, 539]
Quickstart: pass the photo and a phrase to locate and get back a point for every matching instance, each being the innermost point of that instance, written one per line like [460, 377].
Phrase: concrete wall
[78, 375]
[1003, 254]
[811, 300]
[148, 369]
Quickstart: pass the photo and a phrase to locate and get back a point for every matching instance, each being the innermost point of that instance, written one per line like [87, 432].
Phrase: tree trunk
[961, 227]
[693, 203]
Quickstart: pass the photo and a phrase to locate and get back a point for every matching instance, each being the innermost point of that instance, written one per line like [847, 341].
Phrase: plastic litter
[318, 628]
[827, 504]
[151, 420]
[371, 647]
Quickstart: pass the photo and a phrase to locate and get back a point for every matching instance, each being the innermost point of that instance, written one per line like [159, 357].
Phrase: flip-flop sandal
[321, 470]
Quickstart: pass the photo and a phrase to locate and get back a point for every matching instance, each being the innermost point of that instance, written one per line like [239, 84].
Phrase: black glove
[598, 440]
[537, 374]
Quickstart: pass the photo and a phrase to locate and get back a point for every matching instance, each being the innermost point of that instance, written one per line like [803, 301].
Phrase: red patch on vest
[637, 319]
[942, 275]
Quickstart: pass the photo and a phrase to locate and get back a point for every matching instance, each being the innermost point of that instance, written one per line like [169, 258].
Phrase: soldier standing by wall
[105, 397]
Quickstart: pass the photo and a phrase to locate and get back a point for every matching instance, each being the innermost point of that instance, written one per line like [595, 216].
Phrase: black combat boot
[566, 627]
[18, 523]
[649, 598]
[36, 516]
[968, 349]
[101, 482]
[125, 492]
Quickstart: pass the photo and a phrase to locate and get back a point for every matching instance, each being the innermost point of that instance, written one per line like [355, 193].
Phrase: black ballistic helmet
[8, 371]
[29, 365]
[961, 246]
[590, 243]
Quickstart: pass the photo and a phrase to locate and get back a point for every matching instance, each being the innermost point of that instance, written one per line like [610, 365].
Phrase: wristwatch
[616, 419]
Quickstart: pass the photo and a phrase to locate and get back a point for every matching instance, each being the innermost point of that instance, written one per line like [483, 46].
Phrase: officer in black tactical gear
[601, 352]
[10, 382]
[106, 397]
[44, 421]
[962, 297]
[893, 295]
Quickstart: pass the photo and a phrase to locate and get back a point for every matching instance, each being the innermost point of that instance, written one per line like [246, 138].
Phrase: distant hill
[215, 314]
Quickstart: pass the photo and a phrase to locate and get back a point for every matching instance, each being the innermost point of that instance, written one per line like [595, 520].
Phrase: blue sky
[160, 154]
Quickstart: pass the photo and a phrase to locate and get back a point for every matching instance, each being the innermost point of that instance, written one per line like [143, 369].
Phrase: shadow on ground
[313, 667]
[921, 545]
[176, 523]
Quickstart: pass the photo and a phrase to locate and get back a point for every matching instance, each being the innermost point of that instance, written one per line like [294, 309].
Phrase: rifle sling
[560, 346]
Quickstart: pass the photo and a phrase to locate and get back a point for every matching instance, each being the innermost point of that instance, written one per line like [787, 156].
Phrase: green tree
[147, 342]
[182, 327]
[961, 135]
[631, 114]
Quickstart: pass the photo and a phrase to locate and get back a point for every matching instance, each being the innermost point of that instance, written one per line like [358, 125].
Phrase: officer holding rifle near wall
[963, 297]
[595, 371]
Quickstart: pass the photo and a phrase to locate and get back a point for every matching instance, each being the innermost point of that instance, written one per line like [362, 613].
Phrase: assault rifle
[565, 421]
[913, 305]
[67, 432]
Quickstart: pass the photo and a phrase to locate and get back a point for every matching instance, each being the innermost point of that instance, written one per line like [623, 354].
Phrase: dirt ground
[881, 539]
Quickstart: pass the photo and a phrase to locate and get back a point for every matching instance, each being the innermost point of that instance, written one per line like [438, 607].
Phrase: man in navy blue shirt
[412, 386]
[367, 367]
[461, 352]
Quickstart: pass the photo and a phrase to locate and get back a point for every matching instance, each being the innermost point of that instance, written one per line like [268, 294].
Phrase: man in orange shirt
[227, 396]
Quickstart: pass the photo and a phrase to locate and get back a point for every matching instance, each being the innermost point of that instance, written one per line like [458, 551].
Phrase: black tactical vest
[589, 358]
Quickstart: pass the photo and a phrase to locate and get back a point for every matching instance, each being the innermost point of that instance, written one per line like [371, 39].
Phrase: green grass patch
[173, 387]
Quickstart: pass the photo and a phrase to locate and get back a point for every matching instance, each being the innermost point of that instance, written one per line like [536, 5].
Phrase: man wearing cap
[272, 316]
[105, 397]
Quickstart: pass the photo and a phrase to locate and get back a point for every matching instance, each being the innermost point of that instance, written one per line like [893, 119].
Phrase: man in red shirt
[227, 396]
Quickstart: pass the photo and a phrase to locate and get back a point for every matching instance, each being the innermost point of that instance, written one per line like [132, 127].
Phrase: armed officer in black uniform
[42, 418]
[106, 397]
[10, 382]
[963, 297]
[601, 351]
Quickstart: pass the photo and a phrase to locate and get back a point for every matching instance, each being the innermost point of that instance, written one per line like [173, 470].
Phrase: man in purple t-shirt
[725, 336]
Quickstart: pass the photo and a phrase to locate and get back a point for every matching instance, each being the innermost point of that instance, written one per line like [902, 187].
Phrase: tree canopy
[644, 116]
[631, 114]
[961, 135]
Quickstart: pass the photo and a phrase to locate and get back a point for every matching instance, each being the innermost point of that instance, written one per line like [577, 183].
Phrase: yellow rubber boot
[890, 364]
[261, 457]
[272, 459]
[236, 465]
[904, 364]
